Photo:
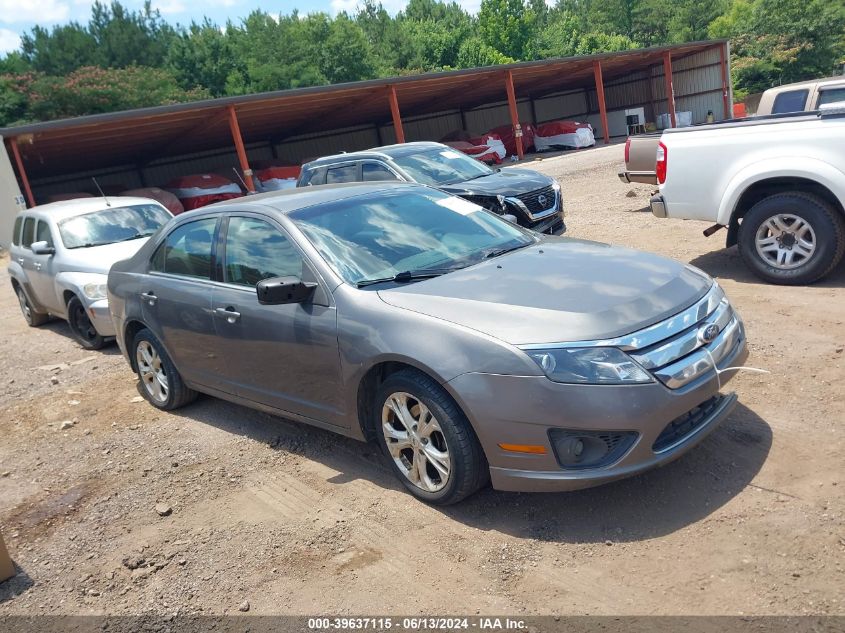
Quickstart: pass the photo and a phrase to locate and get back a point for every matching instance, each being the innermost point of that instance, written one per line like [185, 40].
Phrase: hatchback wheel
[428, 440]
[32, 317]
[792, 238]
[82, 327]
[161, 383]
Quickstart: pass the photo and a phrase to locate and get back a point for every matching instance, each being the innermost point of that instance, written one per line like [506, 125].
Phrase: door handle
[228, 313]
[37, 265]
[149, 297]
[21, 261]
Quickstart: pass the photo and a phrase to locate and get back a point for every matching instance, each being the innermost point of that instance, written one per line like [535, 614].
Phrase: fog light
[590, 449]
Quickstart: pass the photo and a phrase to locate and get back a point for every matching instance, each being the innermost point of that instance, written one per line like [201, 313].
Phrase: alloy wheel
[416, 442]
[25, 309]
[785, 241]
[152, 372]
[82, 323]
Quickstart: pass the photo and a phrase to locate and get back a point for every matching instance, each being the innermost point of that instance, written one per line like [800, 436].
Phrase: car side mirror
[42, 248]
[282, 290]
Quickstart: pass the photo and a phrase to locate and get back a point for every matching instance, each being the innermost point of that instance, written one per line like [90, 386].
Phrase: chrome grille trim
[653, 334]
[685, 343]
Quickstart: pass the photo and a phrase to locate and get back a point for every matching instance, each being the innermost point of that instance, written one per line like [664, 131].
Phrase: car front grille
[685, 425]
[540, 200]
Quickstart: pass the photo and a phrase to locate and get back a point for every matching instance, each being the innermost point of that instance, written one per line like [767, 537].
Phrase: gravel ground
[111, 507]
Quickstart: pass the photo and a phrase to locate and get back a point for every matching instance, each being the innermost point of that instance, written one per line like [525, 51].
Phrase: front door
[42, 276]
[283, 356]
[176, 299]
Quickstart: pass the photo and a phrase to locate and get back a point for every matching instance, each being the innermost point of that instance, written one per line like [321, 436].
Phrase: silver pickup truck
[641, 150]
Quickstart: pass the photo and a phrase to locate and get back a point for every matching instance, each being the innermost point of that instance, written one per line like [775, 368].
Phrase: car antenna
[100, 189]
[243, 182]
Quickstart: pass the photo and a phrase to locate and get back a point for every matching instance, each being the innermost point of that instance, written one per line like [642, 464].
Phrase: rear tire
[81, 326]
[32, 318]
[160, 381]
[792, 238]
[439, 458]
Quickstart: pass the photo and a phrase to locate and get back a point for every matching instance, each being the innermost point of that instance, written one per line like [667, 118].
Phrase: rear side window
[347, 173]
[832, 95]
[28, 232]
[16, 235]
[376, 171]
[42, 233]
[187, 250]
[792, 101]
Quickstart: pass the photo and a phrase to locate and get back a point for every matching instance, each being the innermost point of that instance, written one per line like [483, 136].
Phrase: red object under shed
[165, 198]
[199, 190]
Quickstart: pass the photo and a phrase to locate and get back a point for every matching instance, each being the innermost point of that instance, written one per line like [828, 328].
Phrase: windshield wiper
[502, 251]
[406, 276]
[134, 237]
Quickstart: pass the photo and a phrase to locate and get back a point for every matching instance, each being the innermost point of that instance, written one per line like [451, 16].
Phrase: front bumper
[523, 409]
[98, 312]
[658, 206]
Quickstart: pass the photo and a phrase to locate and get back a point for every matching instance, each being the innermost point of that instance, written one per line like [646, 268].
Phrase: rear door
[176, 299]
[283, 356]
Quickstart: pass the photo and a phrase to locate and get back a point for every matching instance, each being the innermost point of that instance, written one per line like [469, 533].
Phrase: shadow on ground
[727, 263]
[15, 586]
[643, 507]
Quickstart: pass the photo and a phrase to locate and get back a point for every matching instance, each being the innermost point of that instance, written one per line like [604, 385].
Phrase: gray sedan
[470, 349]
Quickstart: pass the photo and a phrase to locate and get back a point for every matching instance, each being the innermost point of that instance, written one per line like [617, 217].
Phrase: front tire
[81, 326]
[161, 383]
[792, 238]
[32, 318]
[428, 440]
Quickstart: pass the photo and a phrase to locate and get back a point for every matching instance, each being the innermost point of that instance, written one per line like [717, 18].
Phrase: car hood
[99, 259]
[558, 290]
[507, 182]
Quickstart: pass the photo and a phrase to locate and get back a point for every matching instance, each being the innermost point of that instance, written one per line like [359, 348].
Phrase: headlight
[555, 184]
[589, 365]
[95, 291]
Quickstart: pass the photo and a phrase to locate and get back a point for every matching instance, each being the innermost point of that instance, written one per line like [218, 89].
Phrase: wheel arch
[130, 331]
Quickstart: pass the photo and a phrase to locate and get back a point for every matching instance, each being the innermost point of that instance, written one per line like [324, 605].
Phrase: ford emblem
[542, 200]
[708, 333]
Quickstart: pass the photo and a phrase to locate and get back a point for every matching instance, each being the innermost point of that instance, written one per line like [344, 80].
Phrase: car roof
[822, 83]
[57, 211]
[385, 151]
[290, 200]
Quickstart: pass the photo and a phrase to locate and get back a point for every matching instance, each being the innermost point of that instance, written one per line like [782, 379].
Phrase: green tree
[129, 38]
[345, 53]
[506, 26]
[204, 56]
[475, 53]
[59, 51]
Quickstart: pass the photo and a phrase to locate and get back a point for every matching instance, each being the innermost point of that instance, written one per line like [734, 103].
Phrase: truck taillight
[662, 163]
[627, 150]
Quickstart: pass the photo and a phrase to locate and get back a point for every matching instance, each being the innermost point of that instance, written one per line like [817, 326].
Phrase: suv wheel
[428, 440]
[161, 383]
[792, 238]
[33, 318]
[82, 327]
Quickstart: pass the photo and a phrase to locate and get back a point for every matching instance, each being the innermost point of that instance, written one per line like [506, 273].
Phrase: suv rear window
[16, 234]
[831, 95]
[792, 101]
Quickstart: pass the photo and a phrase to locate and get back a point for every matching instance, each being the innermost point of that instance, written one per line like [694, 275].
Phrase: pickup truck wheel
[33, 318]
[161, 383]
[792, 238]
[82, 327]
[428, 440]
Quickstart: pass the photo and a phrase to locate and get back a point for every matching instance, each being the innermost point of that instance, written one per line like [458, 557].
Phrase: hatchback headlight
[95, 291]
[589, 365]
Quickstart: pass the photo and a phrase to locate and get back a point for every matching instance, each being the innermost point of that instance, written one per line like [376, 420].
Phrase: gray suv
[524, 196]
[469, 348]
[61, 253]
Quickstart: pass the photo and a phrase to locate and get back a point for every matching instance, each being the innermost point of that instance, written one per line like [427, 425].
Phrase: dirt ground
[295, 520]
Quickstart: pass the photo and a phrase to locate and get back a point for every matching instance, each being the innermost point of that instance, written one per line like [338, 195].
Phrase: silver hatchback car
[469, 348]
[61, 253]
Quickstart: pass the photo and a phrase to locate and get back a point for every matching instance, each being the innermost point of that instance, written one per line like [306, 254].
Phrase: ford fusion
[470, 349]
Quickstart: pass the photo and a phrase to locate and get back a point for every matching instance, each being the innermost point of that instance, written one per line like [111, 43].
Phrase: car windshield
[396, 232]
[114, 224]
[441, 166]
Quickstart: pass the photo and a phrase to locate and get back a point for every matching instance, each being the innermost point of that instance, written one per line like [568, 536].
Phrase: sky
[19, 16]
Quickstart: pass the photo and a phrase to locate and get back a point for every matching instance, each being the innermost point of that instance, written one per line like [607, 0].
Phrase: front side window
[832, 95]
[257, 250]
[28, 232]
[444, 166]
[372, 172]
[113, 224]
[42, 233]
[401, 230]
[187, 250]
[347, 173]
[791, 101]
[16, 234]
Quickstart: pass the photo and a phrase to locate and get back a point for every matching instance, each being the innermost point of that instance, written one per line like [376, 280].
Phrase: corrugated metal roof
[139, 136]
